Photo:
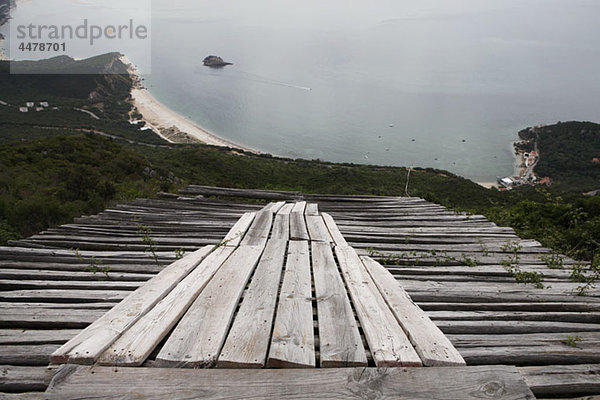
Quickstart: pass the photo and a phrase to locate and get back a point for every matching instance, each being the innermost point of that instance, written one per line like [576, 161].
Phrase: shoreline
[160, 117]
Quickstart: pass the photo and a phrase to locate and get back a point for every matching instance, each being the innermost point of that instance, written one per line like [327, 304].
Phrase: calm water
[456, 79]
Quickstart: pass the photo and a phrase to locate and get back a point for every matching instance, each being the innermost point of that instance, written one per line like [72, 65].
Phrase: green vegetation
[94, 265]
[150, 243]
[571, 341]
[567, 153]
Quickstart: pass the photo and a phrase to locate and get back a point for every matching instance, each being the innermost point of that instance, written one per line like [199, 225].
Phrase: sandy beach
[159, 117]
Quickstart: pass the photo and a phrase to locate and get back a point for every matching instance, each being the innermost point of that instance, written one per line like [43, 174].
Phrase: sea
[445, 84]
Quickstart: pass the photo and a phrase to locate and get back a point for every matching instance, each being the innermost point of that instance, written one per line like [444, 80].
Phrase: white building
[44, 103]
[23, 109]
[30, 104]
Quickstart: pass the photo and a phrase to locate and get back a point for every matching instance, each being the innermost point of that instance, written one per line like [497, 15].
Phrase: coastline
[160, 117]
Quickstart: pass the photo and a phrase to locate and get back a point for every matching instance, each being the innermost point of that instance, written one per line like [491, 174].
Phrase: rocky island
[215, 62]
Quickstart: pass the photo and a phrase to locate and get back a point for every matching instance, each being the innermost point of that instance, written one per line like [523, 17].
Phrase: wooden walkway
[449, 264]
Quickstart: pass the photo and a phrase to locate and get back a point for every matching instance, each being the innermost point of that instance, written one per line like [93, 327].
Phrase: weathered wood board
[199, 336]
[388, 343]
[88, 345]
[340, 342]
[248, 340]
[428, 340]
[292, 343]
[136, 344]
[462, 383]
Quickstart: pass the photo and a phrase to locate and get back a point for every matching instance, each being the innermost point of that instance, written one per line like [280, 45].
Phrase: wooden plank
[298, 229]
[292, 344]
[274, 207]
[428, 340]
[299, 207]
[511, 327]
[281, 227]
[136, 344]
[248, 340]
[475, 383]
[21, 379]
[524, 339]
[22, 396]
[311, 209]
[286, 209]
[96, 338]
[13, 273]
[237, 232]
[63, 295]
[334, 231]
[340, 341]
[259, 230]
[47, 318]
[516, 354]
[34, 336]
[387, 341]
[199, 336]
[31, 355]
[317, 230]
[587, 317]
[563, 380]
[9, 284]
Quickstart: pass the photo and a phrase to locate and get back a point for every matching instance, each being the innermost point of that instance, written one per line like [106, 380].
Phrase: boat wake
[252, 77]
[268, 81]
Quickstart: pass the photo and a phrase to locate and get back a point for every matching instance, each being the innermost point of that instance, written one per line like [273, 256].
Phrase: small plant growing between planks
[571, 341]
[150, 243]
[179, 253]
[511, 265]
[94, 266]
[588, 275]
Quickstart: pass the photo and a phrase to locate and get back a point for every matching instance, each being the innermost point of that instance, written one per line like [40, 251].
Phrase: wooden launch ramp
[278, 301]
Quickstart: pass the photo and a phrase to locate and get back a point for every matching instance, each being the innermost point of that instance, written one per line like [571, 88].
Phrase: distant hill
[569, 154]
[99, 85]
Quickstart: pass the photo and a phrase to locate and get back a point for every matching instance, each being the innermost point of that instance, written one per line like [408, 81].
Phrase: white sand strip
[158, 116]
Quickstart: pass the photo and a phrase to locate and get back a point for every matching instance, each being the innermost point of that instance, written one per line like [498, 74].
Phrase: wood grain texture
[274, 207]
[281, 227]
[298, 229]
[88, 345]
[248, 340]
[311, 209]
[428, 340]
[237, 232]
[317, 230]
[292, 344]
[340, 341]
[388, 343]
[334, 231]
[34, 336]
[563, 380]
[136, 344]
[199, 336]
[475, 383]
[259, 230]
[21, 379]
[286, 209]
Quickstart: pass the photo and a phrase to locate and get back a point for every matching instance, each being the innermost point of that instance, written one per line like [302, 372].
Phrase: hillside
[569, 154]
[76, 100]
